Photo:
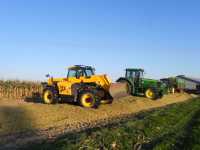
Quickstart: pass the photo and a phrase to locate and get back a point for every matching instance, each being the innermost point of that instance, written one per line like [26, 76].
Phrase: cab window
[71, 73]
[79, 73]
[89, 72]
[130, 74]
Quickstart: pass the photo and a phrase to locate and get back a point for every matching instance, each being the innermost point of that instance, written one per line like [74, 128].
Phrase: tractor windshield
[139, 74]
[134, 74]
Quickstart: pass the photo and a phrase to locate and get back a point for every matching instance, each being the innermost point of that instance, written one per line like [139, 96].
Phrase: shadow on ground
[37, 98]
[14, 124]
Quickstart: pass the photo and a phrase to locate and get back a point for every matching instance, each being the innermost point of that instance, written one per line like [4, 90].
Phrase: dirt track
[23, 122]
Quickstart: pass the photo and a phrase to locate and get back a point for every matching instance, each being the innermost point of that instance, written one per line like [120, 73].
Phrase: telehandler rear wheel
[49, 96]
[88, 99]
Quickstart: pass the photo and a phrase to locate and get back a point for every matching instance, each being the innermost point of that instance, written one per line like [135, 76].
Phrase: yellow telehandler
[82, 86]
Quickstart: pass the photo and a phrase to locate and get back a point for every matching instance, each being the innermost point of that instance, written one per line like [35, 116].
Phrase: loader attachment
[118, 90]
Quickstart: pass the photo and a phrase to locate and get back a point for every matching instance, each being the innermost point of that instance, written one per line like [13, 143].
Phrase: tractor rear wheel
[88, 99]
[151, 93]
[49, 96]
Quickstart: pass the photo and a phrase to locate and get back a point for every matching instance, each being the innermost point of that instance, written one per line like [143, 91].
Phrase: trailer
[188, 84]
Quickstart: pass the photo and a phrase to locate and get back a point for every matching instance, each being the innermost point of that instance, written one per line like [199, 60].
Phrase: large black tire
[50, 95]
[88, 99]
[152, 93]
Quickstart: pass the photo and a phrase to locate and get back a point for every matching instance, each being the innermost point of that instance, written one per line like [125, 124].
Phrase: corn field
[19, 89]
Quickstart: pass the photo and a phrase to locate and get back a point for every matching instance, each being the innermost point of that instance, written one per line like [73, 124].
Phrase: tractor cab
[138, 85]
[135, 75]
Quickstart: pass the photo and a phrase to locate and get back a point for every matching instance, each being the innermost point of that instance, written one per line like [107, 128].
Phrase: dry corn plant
[16, 89]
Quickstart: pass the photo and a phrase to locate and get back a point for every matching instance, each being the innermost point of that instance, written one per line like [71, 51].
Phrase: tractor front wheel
[151, 93]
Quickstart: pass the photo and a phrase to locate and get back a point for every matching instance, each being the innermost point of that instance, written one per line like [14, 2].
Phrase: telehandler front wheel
[49, 96]
[88, 99]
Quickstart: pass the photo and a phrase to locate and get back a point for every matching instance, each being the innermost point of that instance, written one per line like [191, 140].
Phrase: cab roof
[80, 67]
[134, 69]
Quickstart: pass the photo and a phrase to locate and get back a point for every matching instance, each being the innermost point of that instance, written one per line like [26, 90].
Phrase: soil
[23, 122]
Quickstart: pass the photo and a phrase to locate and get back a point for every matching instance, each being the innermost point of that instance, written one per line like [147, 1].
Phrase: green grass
[174, 127]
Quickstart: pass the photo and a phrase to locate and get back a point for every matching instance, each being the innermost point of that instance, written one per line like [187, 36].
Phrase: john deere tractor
[81, 85]
[137, 85]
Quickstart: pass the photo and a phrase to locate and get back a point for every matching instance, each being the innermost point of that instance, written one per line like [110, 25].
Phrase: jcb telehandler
[81, 85]
[137, 85]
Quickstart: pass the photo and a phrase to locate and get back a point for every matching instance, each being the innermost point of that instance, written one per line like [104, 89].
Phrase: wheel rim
[48, 97]
[149, 93]
[87, 100]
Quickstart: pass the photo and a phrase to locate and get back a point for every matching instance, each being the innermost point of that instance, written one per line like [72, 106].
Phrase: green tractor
[139, 86]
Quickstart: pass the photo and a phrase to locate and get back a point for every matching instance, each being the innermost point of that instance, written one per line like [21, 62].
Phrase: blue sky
[45, 36]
